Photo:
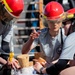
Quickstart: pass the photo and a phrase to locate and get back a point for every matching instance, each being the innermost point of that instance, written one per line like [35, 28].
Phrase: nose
[55, 24]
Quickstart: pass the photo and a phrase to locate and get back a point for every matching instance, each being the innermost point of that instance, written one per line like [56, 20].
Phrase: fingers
[33, 30]
[37, 66]
[35, 34]
[43, 63]
[13, 64]
[16, 65]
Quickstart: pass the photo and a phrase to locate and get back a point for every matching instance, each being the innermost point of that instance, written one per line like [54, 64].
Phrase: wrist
[41, 70]
[31, 39]
[5, 65]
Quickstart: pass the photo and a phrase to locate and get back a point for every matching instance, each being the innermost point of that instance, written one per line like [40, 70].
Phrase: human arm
[68, 71]
[54, 69]
[66, 55]
[28, 45]
[13, 64]
[4, 49]
[4, 58]
[3, 61]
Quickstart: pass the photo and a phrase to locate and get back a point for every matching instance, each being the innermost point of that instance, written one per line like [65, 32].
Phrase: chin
[55, 30]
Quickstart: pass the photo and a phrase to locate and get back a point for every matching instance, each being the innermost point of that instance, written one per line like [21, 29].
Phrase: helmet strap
[2, 9]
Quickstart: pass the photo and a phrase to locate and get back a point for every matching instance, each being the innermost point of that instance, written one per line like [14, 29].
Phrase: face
[54, 25]
[5, 16]
[67, 23]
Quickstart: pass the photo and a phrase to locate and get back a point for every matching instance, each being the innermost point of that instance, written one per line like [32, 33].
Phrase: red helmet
[72, 11]
[14, 7]
[53, 10]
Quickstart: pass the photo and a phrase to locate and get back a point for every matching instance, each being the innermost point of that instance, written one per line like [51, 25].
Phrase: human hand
[37, 66]
[13, 64]
[41, 61]
[34, 34]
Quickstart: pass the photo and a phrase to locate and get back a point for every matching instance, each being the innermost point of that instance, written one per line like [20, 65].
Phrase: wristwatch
[41, 70]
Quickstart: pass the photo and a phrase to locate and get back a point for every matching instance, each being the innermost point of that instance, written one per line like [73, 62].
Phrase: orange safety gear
[53, 10]
[14, 7]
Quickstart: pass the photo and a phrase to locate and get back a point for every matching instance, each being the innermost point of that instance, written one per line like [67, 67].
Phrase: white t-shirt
[49, 46]
[69, 47]
[5, 32]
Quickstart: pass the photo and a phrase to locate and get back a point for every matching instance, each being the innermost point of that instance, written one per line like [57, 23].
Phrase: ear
[45, 23]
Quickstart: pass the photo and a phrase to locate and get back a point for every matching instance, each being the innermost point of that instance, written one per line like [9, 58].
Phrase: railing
[21, 23]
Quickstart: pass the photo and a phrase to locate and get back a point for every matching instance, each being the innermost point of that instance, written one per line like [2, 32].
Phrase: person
[34, 23]
[29, 15]
[9, 10]
[69, 47]
[68, 54]
[69, 23]
[68, 3]
[51, 38]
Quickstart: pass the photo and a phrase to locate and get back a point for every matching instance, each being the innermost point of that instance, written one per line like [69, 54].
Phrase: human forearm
[57, 67]
[27, 46]
[3, 61]
[5, 49]
[52, 70]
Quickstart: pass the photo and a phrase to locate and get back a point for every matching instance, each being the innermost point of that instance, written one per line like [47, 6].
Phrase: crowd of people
[54, 41]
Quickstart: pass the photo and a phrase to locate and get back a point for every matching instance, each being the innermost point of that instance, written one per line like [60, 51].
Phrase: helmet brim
[11, 14]
[60, 17]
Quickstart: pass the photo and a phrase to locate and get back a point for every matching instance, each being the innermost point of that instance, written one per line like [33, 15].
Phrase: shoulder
[43, 32]
[71, 36]
[70, 40]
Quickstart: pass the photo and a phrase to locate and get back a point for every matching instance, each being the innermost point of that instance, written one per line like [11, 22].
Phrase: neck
[53, 33]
